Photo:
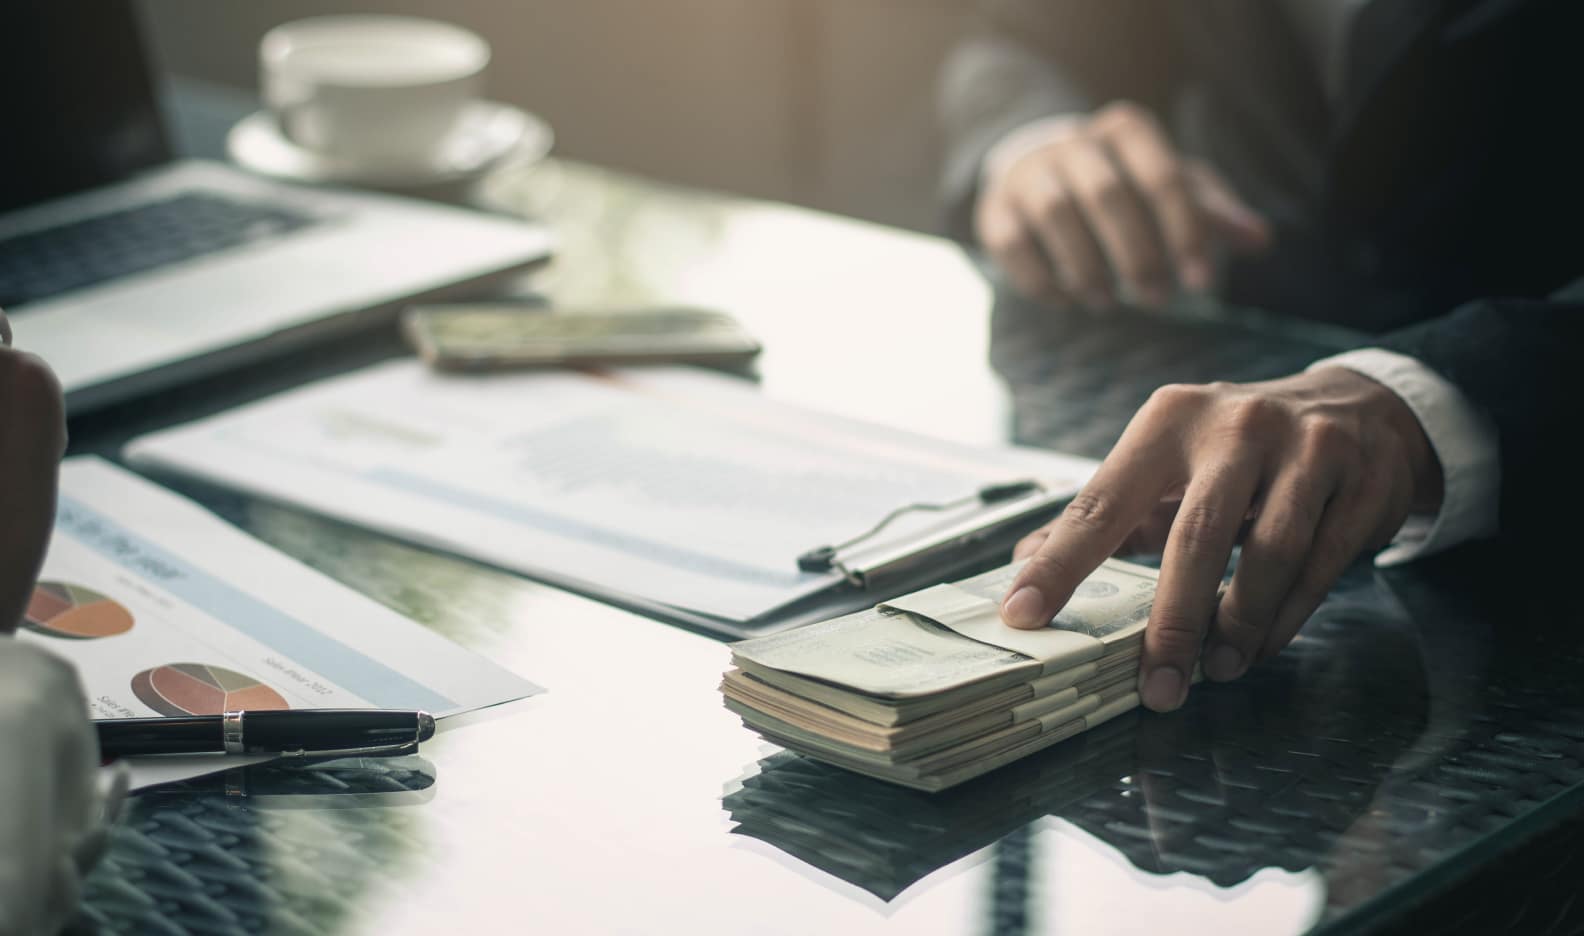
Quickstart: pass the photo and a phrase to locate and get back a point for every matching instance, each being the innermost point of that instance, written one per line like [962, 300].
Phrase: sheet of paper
[166, 610]
[669, 485]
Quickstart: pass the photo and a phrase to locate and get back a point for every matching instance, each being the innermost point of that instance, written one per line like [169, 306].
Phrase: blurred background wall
[827, 103]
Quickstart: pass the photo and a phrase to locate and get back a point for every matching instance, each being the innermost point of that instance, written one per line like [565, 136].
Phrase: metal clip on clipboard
[916, 554]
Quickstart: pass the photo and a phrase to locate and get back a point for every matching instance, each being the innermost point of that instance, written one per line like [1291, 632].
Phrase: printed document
[670, 486]
[166, 609]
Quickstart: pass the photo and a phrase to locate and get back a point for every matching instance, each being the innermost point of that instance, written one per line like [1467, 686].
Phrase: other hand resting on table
[1074, 206]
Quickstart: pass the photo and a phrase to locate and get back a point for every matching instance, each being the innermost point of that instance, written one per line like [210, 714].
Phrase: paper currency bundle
[932, 689]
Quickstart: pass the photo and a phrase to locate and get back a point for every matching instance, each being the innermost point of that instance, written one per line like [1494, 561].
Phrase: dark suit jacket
[1439, 201]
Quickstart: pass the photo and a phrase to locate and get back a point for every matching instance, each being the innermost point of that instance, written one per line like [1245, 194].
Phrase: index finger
[1125, 489]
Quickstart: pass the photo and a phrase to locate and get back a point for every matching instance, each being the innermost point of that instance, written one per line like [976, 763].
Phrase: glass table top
[1427, 721]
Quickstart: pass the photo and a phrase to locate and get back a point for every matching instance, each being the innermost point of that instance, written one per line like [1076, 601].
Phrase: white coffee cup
[373, 90]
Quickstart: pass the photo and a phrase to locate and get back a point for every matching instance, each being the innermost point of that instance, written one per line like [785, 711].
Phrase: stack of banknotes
[932, 689]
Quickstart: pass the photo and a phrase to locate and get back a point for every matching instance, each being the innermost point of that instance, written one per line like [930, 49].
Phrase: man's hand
[1106, 200]
[32, 438]
[1307, 471]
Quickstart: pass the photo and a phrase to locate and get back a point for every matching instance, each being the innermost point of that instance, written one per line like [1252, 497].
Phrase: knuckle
[1000, 235]
[1052, 204]
[1123, 113]
[1326, 437]
[1091, 510]
[1199, 526]
[1252, 417]
[1174, 634]
[1176, 398]
[1284, 539]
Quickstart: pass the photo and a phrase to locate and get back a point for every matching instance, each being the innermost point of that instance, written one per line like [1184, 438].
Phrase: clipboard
[876, 572]
[681, 494]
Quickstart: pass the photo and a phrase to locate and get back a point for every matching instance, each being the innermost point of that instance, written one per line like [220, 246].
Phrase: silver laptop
[129, 271]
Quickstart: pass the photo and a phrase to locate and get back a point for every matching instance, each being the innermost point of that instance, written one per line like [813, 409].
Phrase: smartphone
[493, 336]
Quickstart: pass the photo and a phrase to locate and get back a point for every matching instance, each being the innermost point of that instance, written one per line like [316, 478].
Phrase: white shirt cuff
[1025, 139]
[1464, 440]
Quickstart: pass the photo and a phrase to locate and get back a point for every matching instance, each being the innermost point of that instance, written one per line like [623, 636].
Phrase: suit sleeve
[1038, 58]
[1518, 361]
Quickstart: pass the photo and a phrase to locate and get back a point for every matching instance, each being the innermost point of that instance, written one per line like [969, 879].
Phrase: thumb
[1245, 229]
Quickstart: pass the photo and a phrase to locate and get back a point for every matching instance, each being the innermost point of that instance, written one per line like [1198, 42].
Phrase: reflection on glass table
[1363, 755]
[343, 783]
[275, 846]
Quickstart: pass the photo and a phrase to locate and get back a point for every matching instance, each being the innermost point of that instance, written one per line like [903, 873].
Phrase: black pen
[317, 732]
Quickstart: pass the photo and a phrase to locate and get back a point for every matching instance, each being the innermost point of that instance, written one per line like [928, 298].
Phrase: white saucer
[490, 134]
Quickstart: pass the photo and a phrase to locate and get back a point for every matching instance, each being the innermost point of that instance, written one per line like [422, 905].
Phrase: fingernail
[1224, 663]
[1025, 608]
[1163, 689]
[1196, 276]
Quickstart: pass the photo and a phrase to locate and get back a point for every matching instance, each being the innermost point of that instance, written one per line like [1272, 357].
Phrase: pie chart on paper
[73, 612]
[202, 689]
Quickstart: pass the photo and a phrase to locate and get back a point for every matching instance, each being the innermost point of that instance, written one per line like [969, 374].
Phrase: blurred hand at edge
[32, 439]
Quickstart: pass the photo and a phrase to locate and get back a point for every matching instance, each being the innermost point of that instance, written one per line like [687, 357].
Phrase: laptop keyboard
[45, 263]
